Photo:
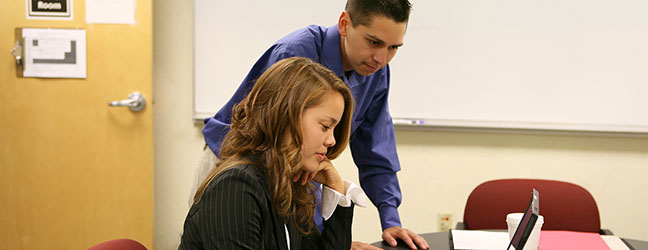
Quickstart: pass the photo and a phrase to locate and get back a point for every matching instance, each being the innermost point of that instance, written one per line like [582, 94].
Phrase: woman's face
[318, 123]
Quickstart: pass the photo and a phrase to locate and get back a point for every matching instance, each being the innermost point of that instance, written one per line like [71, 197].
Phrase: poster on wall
[49, 9]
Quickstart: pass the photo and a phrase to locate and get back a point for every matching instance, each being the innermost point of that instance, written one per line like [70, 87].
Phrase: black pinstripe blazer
[236, 213]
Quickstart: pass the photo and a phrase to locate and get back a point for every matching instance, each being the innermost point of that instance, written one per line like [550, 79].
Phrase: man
[358, 50]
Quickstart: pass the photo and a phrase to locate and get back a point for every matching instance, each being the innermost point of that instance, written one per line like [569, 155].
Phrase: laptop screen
[527, 222]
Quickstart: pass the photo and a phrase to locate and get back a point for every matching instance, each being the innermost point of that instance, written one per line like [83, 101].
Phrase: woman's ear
[343, 22]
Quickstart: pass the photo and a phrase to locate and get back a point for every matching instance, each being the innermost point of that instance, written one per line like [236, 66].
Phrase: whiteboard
[577, 65]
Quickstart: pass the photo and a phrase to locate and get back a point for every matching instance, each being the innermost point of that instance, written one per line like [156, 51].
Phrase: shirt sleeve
[373, 146]
[331, 198]
[337, 230]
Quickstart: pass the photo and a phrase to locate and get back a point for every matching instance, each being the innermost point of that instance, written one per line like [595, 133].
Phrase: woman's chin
[310, 167]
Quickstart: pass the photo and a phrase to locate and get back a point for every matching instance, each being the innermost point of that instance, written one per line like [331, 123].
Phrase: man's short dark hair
[362, 12]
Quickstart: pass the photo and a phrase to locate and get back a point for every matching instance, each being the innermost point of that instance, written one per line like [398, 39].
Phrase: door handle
[136, 102]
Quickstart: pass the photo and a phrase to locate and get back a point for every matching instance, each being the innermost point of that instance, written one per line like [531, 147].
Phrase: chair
[119, 244]
[565, 206]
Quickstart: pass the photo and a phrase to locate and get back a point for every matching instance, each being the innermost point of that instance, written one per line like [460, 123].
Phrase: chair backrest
[119, 244]
[564, 206]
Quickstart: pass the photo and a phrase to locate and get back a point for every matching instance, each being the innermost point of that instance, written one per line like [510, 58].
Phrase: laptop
[470, 239]
[527, 222]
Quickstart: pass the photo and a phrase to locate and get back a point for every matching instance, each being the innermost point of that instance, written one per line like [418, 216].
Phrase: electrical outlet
[444, 222]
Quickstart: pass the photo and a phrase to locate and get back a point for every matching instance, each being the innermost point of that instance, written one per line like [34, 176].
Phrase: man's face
[366, 49]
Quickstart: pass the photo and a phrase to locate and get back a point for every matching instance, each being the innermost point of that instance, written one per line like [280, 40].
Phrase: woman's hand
[330, 177]
[326, 174]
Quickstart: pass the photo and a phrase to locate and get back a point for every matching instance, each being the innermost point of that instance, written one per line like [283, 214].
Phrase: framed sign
[49, 9]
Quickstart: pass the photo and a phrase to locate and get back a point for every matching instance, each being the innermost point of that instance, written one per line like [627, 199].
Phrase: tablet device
[527, 222]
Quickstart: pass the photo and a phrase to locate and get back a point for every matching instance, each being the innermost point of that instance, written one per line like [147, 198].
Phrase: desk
[441, 241]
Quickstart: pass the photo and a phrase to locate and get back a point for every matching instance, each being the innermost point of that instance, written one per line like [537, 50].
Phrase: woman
[296, 118]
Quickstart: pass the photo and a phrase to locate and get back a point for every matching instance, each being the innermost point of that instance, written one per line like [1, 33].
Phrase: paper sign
[55, 53]
[110, 11]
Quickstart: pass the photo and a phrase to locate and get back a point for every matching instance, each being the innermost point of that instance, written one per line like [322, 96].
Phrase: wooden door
[75, 172]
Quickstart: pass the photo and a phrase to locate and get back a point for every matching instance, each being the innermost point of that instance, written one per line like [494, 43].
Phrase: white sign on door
[55, 53]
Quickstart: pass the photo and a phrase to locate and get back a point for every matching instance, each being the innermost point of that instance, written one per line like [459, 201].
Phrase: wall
[177, 142]
[440, 168]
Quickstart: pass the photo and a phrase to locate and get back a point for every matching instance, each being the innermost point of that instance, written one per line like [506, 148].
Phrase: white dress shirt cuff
[331, 198]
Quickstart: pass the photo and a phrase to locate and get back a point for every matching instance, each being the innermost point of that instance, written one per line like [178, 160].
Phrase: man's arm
[216, 127]
[373, 147]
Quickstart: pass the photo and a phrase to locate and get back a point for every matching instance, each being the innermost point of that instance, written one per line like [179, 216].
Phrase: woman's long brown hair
[272, 112]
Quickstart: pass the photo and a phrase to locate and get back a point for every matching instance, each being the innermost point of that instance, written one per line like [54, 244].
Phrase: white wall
[440, 168]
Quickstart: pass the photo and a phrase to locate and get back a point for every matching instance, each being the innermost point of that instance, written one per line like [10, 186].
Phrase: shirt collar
[331, 51]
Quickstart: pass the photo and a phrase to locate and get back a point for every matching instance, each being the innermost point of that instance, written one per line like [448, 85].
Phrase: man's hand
[410, 238]
[362, 246]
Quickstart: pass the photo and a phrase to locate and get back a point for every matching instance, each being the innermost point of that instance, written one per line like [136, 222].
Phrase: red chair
[565, 206]
[119, 244]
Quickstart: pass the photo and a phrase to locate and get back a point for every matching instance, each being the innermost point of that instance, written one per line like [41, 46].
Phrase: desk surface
[441, 241]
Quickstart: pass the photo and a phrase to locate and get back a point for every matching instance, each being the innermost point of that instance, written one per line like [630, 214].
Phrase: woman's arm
[337, 229]
[336, 235]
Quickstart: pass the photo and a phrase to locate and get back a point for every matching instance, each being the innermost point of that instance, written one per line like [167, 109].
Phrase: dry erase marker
[408, 122]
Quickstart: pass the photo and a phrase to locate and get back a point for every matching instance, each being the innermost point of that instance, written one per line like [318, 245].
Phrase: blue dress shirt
[372, 142]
